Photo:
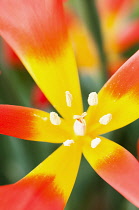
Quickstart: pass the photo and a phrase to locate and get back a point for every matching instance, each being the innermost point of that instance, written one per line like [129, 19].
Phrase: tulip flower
[38, 34]
[117, 26]
[119, 33]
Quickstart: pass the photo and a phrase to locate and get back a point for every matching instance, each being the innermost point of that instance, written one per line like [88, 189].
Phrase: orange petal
[120, 97]
[41, 41]
[30, 124]
[116, 166]
[31, 194]
[48, 186]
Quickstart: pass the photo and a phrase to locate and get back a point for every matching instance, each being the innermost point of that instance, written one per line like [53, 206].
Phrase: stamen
[105, 119]
[68, 142]
[54, 118]
[93, 99]
[95, 142]
[68, 98]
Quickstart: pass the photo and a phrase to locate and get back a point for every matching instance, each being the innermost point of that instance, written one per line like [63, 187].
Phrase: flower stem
[87, 9]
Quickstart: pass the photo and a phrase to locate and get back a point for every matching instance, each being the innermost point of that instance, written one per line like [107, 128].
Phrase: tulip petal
[31, 124]
[48, 186]
[119, 97]
[116, 166]
[84, 47]
[38, 34]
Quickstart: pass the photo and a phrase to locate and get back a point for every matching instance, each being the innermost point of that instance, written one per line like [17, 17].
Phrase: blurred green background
[18, 157]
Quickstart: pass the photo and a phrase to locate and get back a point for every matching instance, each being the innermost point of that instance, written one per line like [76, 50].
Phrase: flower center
[79, 125]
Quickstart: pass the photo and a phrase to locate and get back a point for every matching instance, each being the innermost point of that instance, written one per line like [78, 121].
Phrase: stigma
[79, 126]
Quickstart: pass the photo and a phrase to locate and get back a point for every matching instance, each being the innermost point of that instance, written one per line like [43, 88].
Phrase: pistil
[79, 124]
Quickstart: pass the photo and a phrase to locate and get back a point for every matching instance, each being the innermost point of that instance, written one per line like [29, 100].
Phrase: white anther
[68, 142]
[105, 119]
[54, 118]
[68, 98]
[79, 127]
[93, 99]
[95, 142]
